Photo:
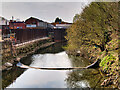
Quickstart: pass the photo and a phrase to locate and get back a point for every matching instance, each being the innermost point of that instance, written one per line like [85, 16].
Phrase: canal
[53, 56]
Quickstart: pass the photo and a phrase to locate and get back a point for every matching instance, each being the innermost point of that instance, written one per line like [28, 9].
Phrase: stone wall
[8, 54]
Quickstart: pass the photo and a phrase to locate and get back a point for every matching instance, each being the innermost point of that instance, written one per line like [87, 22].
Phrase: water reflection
[53, 56]
[11, 75]
[82, 78]
[51, 60]
[33, 78]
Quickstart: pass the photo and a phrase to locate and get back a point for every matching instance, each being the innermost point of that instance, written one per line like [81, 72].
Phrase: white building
[3, 21]
[63, 25]
[50, 25]
[42, 24]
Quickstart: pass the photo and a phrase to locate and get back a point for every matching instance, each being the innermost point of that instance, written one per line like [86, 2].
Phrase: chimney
[12, 18]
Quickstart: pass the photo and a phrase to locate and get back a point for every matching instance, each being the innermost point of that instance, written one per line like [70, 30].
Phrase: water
[54, 57]
[34, 78]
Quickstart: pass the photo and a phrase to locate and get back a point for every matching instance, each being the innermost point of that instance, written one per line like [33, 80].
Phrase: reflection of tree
[91, 76]
[79, 61]
[74, 78]
[9, 76]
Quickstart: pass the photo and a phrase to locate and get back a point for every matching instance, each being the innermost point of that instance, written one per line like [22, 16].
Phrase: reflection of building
[63, 25]
[16, 25]
[36, 23]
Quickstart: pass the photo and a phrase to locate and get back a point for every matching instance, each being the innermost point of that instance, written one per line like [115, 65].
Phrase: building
[49, 25]
[63, 25]
[4, 23]
[16, 24]
[35, 23]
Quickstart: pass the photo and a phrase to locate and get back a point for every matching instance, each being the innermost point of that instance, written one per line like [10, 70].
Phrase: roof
[17, 22]
[2, 18]
[33, 18]
[60, 23]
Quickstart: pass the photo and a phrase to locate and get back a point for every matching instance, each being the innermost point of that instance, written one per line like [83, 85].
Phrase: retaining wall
[22, 51]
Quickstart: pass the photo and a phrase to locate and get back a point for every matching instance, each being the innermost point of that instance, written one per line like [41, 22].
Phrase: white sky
[42, 9]
[46, 11]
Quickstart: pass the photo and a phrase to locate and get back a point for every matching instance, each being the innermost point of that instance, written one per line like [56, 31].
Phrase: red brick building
[16, 25]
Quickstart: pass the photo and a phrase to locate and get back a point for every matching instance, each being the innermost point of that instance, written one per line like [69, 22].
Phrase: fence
[59, 34]
[23, 35]
[27, 34]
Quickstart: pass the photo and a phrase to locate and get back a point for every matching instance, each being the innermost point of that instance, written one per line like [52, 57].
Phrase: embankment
[21, 50]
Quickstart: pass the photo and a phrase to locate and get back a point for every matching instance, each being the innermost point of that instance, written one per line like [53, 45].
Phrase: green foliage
[76, 17]
[106, 62]
[93, 25]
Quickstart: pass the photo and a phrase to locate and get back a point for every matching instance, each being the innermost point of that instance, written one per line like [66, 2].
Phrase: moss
[106, 62]
[101, 53]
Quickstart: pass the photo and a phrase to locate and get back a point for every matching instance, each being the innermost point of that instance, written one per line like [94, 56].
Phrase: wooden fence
[23, 35]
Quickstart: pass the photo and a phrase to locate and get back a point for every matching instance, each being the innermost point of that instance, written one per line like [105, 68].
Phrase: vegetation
[107, 62]
[58, 20]
[93, 26]
[95, 31]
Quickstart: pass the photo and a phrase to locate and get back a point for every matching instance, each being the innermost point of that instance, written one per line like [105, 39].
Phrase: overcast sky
[46, 11]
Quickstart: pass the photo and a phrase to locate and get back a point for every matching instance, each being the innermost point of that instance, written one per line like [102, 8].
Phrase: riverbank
[109, 60]
[22, 50]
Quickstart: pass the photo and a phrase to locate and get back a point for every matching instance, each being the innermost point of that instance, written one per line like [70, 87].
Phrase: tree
[93, 25]
[76, 17]
[58, 20]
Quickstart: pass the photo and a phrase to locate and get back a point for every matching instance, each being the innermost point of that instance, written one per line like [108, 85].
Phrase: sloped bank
[109, 65]
[9, 56]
